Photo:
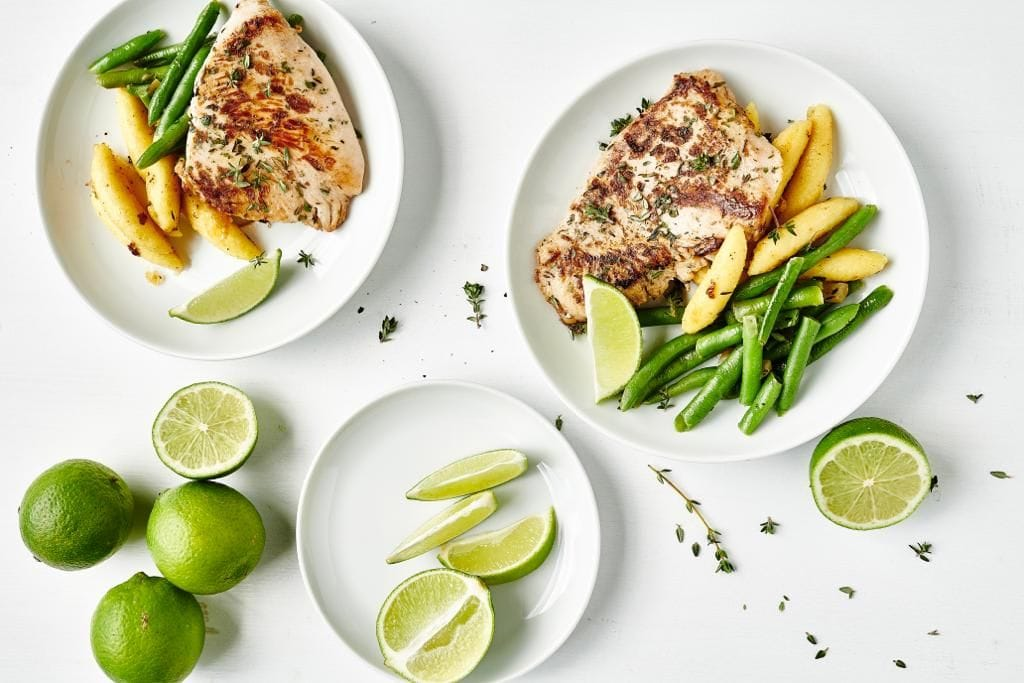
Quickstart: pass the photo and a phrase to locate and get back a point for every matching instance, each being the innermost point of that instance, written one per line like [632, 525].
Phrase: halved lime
[454, 520]
[469, 475]
[233, 296]
[869, 473]
[506, 554]
[205, 430]
[436, 626]
[615, 336]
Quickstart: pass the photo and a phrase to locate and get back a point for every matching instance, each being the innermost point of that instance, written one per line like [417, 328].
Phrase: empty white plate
[353, 512]
[870, 164]
[80, 113]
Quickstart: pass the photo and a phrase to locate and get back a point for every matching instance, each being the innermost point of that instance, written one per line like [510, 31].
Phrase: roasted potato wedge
[754, 115]
[112, 182]
[163, 188]
[717, 286]
[791, 143]
[849, 264]
[808, 181]
[799, 231]
[218, 229]
[835, 292]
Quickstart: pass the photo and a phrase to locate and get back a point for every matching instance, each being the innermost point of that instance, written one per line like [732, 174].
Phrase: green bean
[777, 350]
[854, 286]
[166, 55]
[878, 299]
[688, 382]
[726, 375]
[165, 144]
[134, 76]
[763, 403]
[183, 93]
[140, 90]
[779, 296]
[191, 44]
[639, 385]
[659, 315]
[835, 320]
[126, 52]
[752, 349]
[788, 319]
[843, 235]
[719, 340]
[796, 362]
[804, 296]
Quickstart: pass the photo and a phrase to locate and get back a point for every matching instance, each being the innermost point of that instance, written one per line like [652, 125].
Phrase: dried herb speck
[999, 474]
[922, 550]
[974, 398]
[900, 663]
[558, 423]
[821, 653]
[680, 534]
[769, 525]
[811, 639]
[849, 591]
[387, 326]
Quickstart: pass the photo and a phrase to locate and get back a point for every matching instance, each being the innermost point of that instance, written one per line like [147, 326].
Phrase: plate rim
[160, 347]
[588, 496]
[917, 198]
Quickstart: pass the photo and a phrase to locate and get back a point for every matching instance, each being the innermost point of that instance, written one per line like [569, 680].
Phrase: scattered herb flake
[782, 605]
[935, 483]
[695, 549]
[934, 632]
[601, 214]
[387, 326]
[644, 105]
[922, 550]
[558, 423]
[811, 639]
[900, 663]
[259, 260]
[999, 474]
[680, 534]
[618, 124]
[306, 259]
[769, 525]
[848, 591]
[974, 398]
[484, 267]
[821, 653]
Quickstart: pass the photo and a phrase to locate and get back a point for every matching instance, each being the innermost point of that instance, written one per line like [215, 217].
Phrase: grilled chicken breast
[270, 138]
[661, 198]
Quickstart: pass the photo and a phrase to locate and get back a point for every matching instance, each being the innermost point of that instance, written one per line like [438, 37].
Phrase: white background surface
[476, 84]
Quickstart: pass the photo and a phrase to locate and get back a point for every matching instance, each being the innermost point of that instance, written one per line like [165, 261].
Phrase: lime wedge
[506, 554]
[436, 626]
[615, 337]
[205, 430]
[454, 520]
[869, 473]
[233, 296]
[469, 475]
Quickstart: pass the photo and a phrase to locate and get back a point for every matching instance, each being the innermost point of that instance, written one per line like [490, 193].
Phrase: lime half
[469, 475]
[436, 626]
[205, 430]
[869, 473]
[615, 337]
[454, 520]
[233, 296]
[506, 554]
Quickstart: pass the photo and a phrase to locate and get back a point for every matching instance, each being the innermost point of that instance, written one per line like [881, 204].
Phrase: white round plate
[80, 113]
[353, 512]
[870, 164]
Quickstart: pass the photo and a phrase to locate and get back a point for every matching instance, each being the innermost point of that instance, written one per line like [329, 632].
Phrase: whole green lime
[146, 629]
[205, 537]
[75, 514]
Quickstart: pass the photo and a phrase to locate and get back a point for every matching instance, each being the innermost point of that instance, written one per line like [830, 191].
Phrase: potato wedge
[791, 143]
[718, 285]
[799, 231]
[808, 181]
[218, 229]
[754, 115]
[849, 264]
[835, 292]
[112, 181]
[163, 188]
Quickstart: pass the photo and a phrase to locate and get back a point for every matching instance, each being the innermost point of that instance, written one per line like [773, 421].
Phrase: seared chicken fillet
[661, 198]
[270, 137]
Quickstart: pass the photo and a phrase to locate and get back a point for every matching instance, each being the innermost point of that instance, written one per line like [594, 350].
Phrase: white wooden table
[476, 84]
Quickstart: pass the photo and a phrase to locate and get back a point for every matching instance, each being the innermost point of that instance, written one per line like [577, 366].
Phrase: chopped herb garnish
[306, 259]
[734, 163]
[644, 105]
[848, 591]
[999, 474]
[713, 536]
[601, 214]
[206, 119]
[474, 291]
[820, 653]
[618, 124]
[974, 398]
[922, 550]
[258, 143]
[387, 326]
[310, 85]
[602, 146]
[701, 162]
[769, 525]
[811, 639]
[900, 663]
[236, 76]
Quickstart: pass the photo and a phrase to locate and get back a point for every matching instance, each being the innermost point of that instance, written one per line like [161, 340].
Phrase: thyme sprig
[769, 526]
[387, 326]
[306, 259]
[693, 506]
[922, 550]
[474, 291]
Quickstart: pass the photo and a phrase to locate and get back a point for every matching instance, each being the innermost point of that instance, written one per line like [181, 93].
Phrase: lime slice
[869, 473]
[506, 554]
[233, 296]
[205, 430]
[436, 626]
[615, 337]
[456, 519]
[469, 475]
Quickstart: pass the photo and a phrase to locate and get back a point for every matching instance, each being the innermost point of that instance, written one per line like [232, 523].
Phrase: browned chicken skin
[661, 198]
[270, 138]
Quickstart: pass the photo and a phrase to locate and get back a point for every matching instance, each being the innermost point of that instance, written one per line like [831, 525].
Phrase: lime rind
[470, 475]
[436, 626]
[454, 520]
[866, 479]
[486, 555]
[616, 340]
[205, 430]
[234, 296]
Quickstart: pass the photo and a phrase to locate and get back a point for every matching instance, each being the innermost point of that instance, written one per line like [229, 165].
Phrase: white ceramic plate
[870, 165]
[80, 113]
[353, 511]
